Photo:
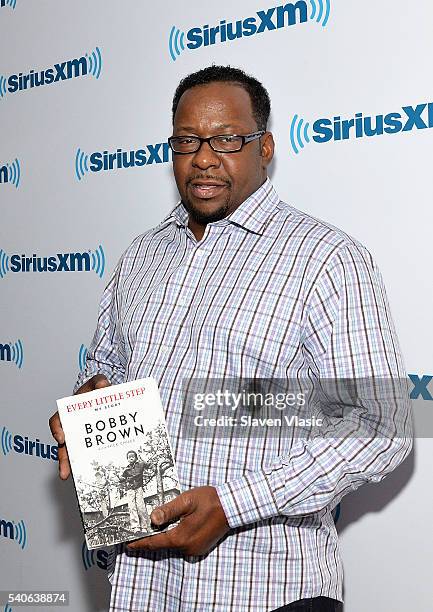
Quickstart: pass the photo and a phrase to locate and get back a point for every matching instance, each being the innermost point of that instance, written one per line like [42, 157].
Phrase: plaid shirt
[269, 292]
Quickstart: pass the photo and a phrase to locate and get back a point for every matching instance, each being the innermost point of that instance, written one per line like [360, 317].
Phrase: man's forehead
[215, 94]
[226, 105]
[181, 126]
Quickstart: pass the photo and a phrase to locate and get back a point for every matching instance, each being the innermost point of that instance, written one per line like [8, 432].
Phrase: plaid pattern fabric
[269, 292]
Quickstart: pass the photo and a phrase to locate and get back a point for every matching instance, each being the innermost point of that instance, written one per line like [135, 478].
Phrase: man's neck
[198, 229]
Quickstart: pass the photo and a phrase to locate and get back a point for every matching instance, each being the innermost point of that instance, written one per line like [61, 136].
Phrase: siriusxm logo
[270, 19]
[158, 153]
[82, 355]
[323, 130]
[13, 531]
[61, 262]
[90, 63]
[94, 557]
[13, 352]
[23, 445]
[421, 388]
[11, 173]
[10, 3]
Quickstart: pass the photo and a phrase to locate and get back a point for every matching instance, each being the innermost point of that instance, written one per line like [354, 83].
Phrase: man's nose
[206, 157]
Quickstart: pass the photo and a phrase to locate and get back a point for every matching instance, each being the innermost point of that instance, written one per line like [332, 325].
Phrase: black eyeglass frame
[245, 140]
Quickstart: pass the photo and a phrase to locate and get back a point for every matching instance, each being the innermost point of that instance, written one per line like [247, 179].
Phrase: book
[121, 460]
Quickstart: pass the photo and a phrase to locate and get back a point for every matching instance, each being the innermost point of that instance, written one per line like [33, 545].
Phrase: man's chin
[204, 219]
[207, 210]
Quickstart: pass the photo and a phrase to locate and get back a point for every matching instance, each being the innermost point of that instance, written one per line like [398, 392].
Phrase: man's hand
[202, 524]
[97, 382]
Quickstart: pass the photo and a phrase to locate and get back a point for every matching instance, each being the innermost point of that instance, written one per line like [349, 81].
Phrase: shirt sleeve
[349, 335]
[104, 355]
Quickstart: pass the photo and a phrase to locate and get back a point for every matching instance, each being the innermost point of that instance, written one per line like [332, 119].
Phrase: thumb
[172, 510]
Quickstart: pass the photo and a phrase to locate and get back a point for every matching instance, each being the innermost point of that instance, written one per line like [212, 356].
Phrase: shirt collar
[253, 214]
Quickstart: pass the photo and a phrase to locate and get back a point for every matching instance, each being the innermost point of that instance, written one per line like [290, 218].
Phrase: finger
[101, 381]
[177, 507]
[98, 381]
[64, 465]
[161, 540]
[56, 428]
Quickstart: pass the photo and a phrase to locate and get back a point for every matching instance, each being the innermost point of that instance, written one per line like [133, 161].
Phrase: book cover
[121, 459]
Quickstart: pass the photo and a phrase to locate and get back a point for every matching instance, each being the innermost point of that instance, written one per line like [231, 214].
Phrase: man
[132, 478]
[234, 282]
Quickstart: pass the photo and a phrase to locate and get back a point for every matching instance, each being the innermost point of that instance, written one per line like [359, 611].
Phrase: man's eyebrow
[220, 126]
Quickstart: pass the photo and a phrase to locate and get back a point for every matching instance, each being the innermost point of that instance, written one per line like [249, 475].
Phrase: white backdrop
[340, 58]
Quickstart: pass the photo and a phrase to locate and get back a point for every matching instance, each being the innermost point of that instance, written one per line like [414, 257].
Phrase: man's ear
[267, 148]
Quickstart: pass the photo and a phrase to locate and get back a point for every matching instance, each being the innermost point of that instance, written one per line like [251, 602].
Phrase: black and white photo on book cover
[121, 459]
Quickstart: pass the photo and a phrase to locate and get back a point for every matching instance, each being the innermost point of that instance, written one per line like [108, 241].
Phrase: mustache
[208, 177]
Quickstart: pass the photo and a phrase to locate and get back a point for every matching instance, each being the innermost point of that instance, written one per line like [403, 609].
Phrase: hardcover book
[121, 460]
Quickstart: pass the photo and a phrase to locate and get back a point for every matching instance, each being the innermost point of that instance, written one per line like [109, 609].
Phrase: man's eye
[185, 140]
[226, 138]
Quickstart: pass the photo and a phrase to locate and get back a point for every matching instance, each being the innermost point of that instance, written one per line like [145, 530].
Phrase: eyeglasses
[225, 143]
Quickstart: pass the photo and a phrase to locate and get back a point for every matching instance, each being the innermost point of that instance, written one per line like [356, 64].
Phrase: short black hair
[260, 101]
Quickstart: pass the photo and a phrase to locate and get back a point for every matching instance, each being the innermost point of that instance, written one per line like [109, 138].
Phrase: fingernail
[158, 516]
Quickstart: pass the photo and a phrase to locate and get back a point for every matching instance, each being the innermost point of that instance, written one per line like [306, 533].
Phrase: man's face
[131, 457]
[212, 185]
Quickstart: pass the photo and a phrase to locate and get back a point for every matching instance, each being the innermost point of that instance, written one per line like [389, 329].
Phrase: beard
[203, 217]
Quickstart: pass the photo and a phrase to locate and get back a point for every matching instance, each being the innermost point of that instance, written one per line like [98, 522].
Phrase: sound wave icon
[11, 3]
[20, 534]
[175, 43]
[3, 86]
[94, 62]
[14, 172]
[82, 354]
[88, 556]
[17, 353]
[4, 263]
[98, 261]
[81, 164]
[320, 11]
[299, 133]
[6, 441]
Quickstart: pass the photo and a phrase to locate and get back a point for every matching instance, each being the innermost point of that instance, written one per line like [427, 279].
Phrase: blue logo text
[24, 445]
[14, 531]
[13, 352]
[11, 173]
[90, 63]
[61, 262]
[266, 20]
[409, 118]
[98, 161]
[420, 388]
